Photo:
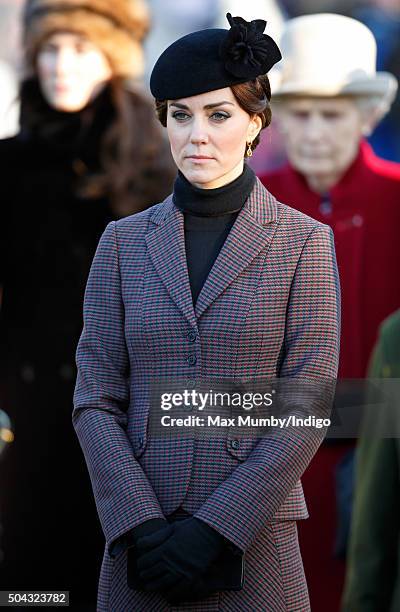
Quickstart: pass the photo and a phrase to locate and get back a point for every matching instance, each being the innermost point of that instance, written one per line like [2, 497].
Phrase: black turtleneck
[209, 215]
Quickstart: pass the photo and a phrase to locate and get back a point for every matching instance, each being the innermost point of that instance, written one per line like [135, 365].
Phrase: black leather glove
[174, 564]
[131, 538]
[145, 529]
[188, 591]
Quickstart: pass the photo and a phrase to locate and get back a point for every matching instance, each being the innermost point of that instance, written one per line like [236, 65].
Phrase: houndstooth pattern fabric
[269, 307]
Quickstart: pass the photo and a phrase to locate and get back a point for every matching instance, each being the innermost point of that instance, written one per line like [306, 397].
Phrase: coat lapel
[166, 247]
[251, 233]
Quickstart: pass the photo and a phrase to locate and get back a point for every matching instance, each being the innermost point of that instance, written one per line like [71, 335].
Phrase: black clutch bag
[225, 574]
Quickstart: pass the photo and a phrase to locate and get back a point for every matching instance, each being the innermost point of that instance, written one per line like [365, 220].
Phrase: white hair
[377, 106]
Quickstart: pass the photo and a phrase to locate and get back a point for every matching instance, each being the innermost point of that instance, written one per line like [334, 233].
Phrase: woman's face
[208, 135]
[322, 135]
[71, 71]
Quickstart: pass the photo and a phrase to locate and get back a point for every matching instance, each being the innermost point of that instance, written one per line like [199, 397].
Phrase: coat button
[191, 336]
[190, 383]
[140, 442]
[235, 444]
[192, 359]
[325, 207]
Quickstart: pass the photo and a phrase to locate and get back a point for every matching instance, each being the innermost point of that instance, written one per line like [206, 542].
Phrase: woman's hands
[173, 559]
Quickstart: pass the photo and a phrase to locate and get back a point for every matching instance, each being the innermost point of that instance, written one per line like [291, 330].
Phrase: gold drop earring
[249, 151]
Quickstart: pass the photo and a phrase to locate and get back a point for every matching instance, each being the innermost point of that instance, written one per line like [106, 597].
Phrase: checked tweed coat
[269, 307]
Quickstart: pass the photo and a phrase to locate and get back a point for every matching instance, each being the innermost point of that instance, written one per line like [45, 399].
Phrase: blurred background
[173, 18]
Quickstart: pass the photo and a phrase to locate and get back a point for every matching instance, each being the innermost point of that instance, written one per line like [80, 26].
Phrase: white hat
[328, 55]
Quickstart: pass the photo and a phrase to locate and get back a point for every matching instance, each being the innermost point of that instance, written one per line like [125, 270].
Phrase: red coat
[364, 214]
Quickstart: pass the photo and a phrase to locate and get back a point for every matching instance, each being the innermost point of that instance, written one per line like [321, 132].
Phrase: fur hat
[117, 27]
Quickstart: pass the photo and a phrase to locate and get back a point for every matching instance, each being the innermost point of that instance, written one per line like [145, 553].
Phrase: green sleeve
[372, 556]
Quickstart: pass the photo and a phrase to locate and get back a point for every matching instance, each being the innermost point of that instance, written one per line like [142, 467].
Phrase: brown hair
[135, 166]
[252, 96]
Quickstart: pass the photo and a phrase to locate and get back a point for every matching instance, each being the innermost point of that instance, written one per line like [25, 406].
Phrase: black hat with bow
[213, 59]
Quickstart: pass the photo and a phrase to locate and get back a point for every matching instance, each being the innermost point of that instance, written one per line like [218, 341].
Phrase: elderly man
[329, 97]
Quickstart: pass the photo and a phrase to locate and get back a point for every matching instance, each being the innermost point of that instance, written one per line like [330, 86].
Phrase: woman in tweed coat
[219, 280]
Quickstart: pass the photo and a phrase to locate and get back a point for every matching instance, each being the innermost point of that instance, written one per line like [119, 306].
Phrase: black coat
[51, 535]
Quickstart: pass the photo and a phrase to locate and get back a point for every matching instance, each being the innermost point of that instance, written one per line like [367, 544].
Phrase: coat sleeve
[123, 495]
[259, 486]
